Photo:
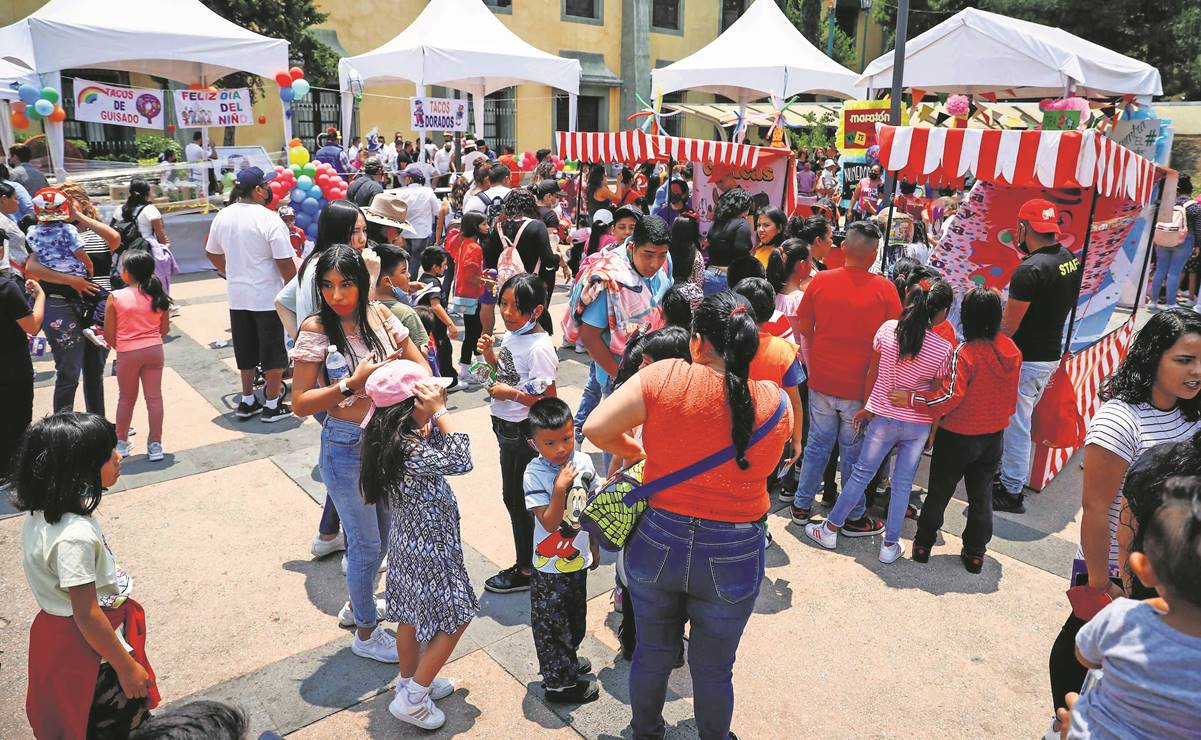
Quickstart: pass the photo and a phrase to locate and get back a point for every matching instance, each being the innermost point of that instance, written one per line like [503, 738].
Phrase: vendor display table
[188, 232]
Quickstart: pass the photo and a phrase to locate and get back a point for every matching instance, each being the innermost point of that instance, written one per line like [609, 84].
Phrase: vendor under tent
[1102, 193]
[442, 46]
[975, 51]
[177, 39]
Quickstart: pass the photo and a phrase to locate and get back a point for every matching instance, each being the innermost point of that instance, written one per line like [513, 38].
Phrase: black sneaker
[864, 526]
[582, 666]
[583, 692]
[799, 515]
[247, 410]
[509, 580]
[280, 412]
[1014, 503]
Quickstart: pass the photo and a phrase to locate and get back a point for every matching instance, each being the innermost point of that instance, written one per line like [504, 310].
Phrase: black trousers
[515, 454]
[472, 329]
[973, 458]
[446, 352]
[558, 616]
[18, 395]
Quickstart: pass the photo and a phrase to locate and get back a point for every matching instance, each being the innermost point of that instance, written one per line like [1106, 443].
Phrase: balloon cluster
[529, 162]
[34, 105]
[308, 185]
[292, 85]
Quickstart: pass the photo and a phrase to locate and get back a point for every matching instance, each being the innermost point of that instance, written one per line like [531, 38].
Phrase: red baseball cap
[1041, 215]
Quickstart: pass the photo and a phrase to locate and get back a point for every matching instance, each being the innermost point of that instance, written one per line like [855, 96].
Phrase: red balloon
[323, 180]
[283, 79]
[262, 119]
[296, 73]
[279, 168]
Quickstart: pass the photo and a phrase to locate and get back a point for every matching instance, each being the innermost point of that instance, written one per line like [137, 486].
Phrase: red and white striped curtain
[1050, 159]
[634, 146]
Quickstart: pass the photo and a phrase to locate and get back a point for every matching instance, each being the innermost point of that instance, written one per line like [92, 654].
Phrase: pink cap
[395, 382]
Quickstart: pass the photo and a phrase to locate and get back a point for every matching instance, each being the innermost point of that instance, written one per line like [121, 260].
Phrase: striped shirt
[1127, 431]
[910, 374]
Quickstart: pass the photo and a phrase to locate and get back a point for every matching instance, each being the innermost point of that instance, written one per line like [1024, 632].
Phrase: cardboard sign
[857, 123]
[97, 102]
[439, 114]
[1061, 120]
[205, 108]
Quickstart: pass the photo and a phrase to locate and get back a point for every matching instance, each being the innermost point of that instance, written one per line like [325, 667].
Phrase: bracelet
[439, 414]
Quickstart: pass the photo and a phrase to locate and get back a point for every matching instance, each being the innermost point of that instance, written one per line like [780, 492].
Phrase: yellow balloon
[298, 155]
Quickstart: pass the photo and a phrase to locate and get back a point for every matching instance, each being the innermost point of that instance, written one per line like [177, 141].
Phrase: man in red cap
[1041, 295]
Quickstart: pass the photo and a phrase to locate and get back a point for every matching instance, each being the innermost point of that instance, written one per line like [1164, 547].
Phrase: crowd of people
[827, 355]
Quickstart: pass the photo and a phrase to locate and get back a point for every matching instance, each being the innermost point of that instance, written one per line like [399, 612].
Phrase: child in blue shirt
[557, 484]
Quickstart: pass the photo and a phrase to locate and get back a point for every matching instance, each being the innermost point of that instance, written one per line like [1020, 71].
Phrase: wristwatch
[345, 388]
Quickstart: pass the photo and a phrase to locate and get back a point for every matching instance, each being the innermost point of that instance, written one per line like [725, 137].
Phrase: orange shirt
[688, 419]
[777, 361]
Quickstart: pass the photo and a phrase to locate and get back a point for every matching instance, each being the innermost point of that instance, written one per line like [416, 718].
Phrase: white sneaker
[422, 714]
[346, 616]
[821, 534]
[579, 348]
[380, 646]
[467, 378]
[124, 448]
[440, 688]
[891, 552]
[154, 451]
[383, 565]
[321, 548]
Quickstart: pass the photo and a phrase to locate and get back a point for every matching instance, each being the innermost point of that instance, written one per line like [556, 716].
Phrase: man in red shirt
[839, 316]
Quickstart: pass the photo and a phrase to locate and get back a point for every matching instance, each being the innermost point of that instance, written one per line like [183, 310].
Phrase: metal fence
[322, 109]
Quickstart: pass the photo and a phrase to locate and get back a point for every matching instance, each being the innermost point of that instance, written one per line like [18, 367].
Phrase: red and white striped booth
[635, 146]
[1049, 159]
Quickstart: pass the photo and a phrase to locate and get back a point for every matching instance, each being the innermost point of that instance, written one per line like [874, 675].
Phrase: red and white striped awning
[1050, 159]
[634, 146]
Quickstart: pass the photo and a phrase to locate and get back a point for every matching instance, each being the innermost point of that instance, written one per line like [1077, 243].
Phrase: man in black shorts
[249, 244]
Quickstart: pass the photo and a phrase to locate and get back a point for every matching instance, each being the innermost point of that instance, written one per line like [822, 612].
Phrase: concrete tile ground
[839, 646]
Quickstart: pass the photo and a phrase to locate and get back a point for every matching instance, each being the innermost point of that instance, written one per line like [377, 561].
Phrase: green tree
[1163, 33]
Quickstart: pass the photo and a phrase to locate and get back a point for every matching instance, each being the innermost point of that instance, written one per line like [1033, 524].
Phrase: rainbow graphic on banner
[89, 95]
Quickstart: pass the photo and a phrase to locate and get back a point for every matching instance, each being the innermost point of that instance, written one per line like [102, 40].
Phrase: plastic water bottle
[335, 365]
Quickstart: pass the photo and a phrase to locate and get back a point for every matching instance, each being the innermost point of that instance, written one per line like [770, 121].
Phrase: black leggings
[515, 454]
[472, 329]
[446, 352]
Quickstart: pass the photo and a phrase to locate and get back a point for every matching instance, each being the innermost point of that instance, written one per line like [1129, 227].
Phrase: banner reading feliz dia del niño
[205, 108]
[96, 102]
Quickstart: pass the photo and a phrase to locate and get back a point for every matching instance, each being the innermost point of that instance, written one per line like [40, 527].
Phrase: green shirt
[411, 321]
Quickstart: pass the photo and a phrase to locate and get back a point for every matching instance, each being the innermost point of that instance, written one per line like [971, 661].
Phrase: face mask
[529, 326]
[400, 295]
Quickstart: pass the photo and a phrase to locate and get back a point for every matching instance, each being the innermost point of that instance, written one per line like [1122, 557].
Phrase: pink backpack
[509, 263]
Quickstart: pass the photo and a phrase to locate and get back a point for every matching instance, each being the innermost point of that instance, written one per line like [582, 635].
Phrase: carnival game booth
[767, 173]
[1101, 190]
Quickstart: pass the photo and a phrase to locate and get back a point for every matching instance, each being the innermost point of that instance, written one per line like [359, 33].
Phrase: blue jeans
[1015, 461]
[74, 355]
[708, 573]
[589, 400]
[715, 281]
[1169, 262]
[365, 525]
[882, 435]
[829, 421]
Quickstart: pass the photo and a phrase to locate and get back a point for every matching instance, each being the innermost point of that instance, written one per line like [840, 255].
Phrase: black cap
[252, 177]
[546, 187]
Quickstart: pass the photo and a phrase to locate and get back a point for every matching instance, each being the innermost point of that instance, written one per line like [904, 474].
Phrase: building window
[731, 10]
[316, 113]
[586, 9]
[666, 14]
[500, 6]
[590, 113]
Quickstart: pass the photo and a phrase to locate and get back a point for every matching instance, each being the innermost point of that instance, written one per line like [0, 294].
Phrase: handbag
[613, 511]
[1056, 421]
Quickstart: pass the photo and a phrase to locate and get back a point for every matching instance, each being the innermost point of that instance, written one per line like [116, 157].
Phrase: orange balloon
[195, 86]
[20, 121]
[295, 142]
[211, 88]
[18, 106]
[59, 115]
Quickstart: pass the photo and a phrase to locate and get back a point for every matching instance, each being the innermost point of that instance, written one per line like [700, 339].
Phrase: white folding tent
[181, 40]
[761, 55]
[437, 49]
[977, 51]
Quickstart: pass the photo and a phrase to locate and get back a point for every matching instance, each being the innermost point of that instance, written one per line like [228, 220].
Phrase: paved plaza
[217, 539]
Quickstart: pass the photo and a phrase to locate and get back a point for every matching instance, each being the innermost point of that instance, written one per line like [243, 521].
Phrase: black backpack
[131, 237]
[493, 206]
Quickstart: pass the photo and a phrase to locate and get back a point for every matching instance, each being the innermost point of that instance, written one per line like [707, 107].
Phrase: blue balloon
[304, 182]
[287, 94]
[303, 220]
[311, 206]
[29, 94]
[298, 195]
[315, 192]
[44, 107]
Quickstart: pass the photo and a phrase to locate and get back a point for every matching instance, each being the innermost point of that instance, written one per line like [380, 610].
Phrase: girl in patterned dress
[408, 448]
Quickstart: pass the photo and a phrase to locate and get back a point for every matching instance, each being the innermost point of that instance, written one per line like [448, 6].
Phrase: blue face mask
[529, 326]
[400, 295]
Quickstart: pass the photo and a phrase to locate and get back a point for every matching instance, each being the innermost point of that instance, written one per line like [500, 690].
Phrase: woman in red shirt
[710, 520]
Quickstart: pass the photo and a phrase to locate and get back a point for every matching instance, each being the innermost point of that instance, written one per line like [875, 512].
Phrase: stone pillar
[635, 55]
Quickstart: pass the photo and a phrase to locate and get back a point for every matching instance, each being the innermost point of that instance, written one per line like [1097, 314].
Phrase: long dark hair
[921, 304]
[781, 222]
[780, 269]
[337, 223]
[345, 260]
[596, 178]
[469, 227]
[387, 439]
[685, 237]
[668, 343]
[1135, 377]
[56, 469]
[724, 320]
[594, 236]
[731, 205]
[981, 314]
[139, 195]
[139, 263]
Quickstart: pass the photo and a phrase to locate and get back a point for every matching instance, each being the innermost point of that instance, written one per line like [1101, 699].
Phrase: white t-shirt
[148, 213]
[251, 237]
[423, 208]
[528, 363]
[553, 551]
[1127, 431]
[70, 552]
[468, 161]
[442, 159]
[195, 153]
[476, 203]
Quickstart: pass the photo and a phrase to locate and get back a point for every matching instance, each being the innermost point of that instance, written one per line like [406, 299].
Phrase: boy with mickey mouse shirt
[557, 484]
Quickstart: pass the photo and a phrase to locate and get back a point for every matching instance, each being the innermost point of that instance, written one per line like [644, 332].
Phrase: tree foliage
[290, 20]
[1163, 33]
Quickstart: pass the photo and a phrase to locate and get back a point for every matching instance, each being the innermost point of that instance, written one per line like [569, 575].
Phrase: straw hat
[388, 209]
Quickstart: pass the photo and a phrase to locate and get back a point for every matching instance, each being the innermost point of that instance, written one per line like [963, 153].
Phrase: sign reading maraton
[97, 102]
[204, 108]
[439, 114]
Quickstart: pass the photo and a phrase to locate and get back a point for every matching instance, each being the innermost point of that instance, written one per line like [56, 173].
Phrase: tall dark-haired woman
[138, 209]
[729, 237]
[1151, 399]
[709, 521]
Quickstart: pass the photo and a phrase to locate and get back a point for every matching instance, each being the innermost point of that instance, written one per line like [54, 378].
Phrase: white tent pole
[7, 139]
[477, 100]
[572, 111]
[54, 131]
[741, 117]
[347, 111]
[420, 131]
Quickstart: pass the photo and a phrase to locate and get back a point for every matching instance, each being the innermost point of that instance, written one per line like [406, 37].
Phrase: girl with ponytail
[710, 517]
[909, 356]
[135, 322]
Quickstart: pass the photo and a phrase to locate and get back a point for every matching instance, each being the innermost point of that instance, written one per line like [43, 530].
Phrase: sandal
[920, 554]
[973, 563]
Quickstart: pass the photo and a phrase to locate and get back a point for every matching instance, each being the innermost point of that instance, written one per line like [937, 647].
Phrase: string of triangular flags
[960, 109]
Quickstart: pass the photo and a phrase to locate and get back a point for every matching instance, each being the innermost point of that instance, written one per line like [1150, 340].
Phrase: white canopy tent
[181, 40]
[436, 50]
[977, 51]
[761, 55]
